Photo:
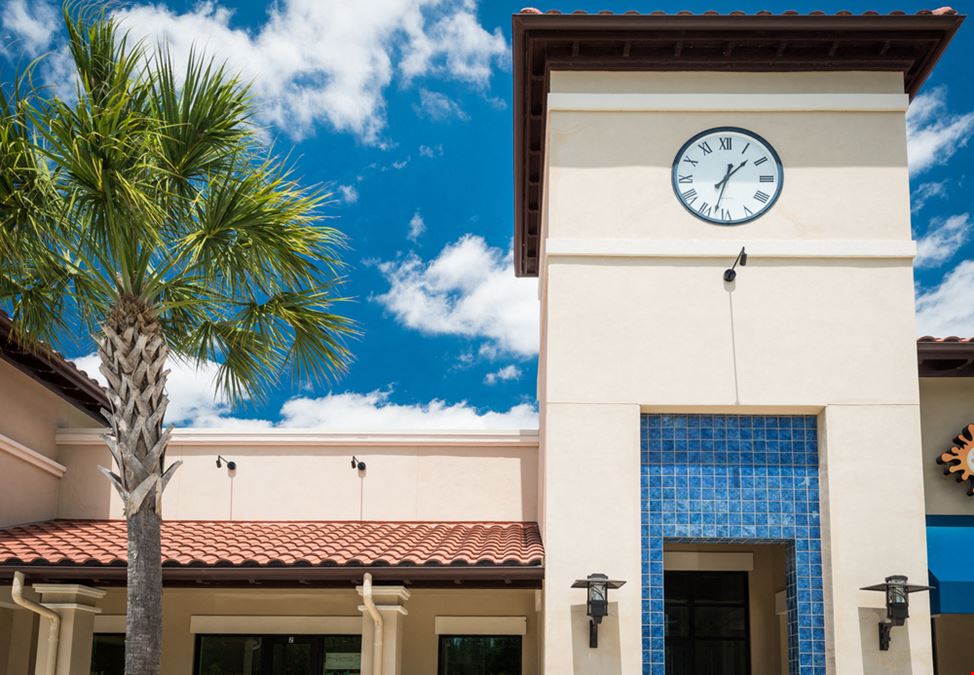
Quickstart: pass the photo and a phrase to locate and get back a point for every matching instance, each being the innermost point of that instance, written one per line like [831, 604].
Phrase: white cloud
[505, 374]
[925, 192]
[469, 289]
[348, 193]
[330, 61]
[30, 25]
[942, 240]
[374, 410]
[933, 133]
[416, 227]
[439, 107]
[947, 309]
[431, 152]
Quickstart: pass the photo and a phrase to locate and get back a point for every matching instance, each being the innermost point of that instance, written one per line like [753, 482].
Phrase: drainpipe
[376, 620]
[17, 593]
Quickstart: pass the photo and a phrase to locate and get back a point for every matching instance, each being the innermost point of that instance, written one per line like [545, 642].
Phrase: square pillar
[76, 606]
[389, 601]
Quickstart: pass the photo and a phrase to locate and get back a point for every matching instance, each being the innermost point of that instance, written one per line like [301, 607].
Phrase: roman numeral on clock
[767, 179]
[690, 196]
[705, 209]
[748, 211]
[762, 197]
[685, 179]
[725, 143]
[761, 161]
[705, 146]
[746, 146]
[693, 162]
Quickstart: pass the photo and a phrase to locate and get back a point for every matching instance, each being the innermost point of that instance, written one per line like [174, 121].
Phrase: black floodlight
[897, 592]
[731, 272]
[357, 463]
[597, 603]
[231, 465]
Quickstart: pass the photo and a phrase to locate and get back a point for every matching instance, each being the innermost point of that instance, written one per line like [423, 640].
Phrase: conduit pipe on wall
[17, 593]
[376, 620]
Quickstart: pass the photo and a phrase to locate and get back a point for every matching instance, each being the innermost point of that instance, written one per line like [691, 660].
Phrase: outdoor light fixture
[897, 604]
[357, 463]
[731, 272]
[231, 465]
[597, 604]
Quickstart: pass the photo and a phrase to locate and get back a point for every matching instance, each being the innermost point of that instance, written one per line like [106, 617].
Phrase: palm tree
[145, 209]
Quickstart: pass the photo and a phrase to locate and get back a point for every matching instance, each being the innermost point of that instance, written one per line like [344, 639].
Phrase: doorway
[707, 623]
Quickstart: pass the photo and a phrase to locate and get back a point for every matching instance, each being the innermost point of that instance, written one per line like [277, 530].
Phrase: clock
[727, 176]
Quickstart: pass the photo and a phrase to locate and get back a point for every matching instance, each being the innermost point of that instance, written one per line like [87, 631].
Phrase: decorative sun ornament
[959, 460]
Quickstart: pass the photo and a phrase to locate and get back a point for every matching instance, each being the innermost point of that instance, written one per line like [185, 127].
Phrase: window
[278, 654]
[108, 654]
[480, 655]
[706, 623]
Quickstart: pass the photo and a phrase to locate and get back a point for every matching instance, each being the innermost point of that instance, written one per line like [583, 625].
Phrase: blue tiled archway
[746, 479]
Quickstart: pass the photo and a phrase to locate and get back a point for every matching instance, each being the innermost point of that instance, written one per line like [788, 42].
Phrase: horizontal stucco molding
[709, 248]
[304, 438]
[481, 625]
[32, 457]
[625, 102]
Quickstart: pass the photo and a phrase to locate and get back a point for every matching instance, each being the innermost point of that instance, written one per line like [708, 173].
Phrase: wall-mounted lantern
[897, 604]
[597, 603]
[231, 465]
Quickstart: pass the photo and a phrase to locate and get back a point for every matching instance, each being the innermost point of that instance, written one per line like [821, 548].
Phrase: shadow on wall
[605, 659]
[896, 661]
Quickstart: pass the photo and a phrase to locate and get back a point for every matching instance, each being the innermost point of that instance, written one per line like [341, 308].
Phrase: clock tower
[696, 428]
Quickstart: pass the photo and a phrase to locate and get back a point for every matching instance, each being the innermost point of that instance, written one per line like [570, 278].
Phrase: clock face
[727, 176]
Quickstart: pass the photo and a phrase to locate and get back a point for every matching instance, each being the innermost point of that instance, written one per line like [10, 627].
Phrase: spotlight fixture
[731, 272]
[357, 463]
[231, 465]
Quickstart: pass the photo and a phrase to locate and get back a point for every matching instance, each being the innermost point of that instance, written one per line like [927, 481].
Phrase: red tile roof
[209, 543]
[942, 11]
[951, 338]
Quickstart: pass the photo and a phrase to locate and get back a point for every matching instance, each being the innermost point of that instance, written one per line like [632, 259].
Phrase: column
[389, 601]
[76, 606]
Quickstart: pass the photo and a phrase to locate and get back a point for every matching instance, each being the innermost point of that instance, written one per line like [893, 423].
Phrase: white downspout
[376, 620]
[17, 593]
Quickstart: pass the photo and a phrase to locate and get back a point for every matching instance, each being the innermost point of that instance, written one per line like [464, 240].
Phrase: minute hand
[729, 174]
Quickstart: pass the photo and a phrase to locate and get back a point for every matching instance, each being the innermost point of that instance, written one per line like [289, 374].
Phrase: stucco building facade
[747, 452]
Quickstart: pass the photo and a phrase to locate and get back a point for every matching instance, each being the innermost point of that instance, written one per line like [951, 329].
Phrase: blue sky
[404, 108]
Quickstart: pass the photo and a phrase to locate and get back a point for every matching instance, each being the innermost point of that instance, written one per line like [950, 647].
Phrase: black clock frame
[741, 130]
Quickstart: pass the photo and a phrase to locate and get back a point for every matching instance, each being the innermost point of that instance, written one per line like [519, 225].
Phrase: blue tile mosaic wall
[743, 479]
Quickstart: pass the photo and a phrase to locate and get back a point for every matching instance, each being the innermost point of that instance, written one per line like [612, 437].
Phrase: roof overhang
[910, 44]
[51, 370]
[948, 357]
[438, 576]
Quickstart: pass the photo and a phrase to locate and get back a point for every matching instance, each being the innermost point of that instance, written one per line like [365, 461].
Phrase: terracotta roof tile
[273, 543]
[951, 338]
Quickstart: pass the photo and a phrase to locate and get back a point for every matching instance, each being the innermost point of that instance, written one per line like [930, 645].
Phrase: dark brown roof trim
[52, 370]
[949, 357]
[439, 576]
[910, 44]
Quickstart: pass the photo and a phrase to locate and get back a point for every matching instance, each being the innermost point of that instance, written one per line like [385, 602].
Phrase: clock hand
[726, 178]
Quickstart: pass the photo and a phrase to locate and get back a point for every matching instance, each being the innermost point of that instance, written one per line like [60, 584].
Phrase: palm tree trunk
[133, 357]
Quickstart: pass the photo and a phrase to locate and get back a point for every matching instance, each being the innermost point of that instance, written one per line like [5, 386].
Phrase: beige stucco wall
[419, 641]
[30, 415]
[637, 318]
[293, 482]
[946, 408]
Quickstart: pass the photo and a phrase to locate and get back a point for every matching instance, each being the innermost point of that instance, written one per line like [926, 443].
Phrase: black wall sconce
[231, 465]
[597, 603]
[897, 604]
[357, 463]
[731, 272]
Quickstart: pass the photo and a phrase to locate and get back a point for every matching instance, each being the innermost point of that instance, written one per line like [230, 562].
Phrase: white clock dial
[727, 176]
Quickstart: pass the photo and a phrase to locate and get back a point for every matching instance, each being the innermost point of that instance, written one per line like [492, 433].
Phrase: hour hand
[726, 176]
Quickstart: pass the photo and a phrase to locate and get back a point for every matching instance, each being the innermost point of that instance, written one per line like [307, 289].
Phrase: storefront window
[278, 654]
[480, 655]
[108, 654]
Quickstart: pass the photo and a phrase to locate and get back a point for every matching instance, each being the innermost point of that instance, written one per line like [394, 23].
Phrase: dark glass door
[278, 654]
[707, 626]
